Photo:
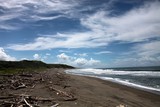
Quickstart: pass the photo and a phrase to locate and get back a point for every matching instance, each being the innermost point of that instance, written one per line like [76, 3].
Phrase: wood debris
[29, 82]
[17, 100]
[122, 105]
[55, 105]
[66, 96]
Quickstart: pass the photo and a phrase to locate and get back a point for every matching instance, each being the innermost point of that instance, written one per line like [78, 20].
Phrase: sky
[81, 33]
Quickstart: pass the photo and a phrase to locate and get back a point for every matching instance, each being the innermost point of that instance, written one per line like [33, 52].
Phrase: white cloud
[139, 24]
[6, 17]
[63, 56]
[93, 62]
[24, 59]
[75, 40]
[33, 10]
[38, 18]
[41, 57]
[8, 27]
[36, 57]
[41, 6]
[135, 62]
[4, 56]
[148, 49]
[103, 52]
[78, 61]
[142, 54]
[83, 62]
[9, 16]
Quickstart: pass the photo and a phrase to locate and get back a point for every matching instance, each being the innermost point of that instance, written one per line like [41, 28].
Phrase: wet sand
[87, 91]
[94, 92]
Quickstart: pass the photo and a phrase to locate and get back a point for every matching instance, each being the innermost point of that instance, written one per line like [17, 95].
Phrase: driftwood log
[67, 96]
[31, 82]
[23, 100]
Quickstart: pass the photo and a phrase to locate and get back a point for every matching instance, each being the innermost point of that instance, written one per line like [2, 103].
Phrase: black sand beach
[55, 88]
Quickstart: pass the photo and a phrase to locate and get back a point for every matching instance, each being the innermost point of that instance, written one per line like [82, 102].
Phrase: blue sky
[81, 33]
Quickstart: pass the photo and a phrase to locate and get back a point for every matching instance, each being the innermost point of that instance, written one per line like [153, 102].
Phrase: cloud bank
[137, 25]
[33, 10]
[4, 56]
[78, 61]
[142, 54]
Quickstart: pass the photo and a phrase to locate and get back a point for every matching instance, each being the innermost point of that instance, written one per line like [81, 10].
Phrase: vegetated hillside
[27, 64]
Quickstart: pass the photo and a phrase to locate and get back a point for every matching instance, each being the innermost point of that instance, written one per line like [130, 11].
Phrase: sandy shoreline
[76, 91]
[150, 90]
[102, 93]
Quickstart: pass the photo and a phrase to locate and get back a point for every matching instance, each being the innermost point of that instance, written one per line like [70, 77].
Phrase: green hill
[27, 65]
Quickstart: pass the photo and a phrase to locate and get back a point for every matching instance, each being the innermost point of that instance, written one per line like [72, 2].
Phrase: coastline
[125, 82]
[112, 94]
[131, 85]
[54, 87]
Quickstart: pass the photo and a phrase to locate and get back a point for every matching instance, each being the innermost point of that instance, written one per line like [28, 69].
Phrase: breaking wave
[148, 80]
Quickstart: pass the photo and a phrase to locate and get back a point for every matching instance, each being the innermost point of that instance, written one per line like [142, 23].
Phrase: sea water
[147, 78]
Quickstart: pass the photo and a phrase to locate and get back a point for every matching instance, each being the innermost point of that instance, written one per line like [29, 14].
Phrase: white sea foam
[107, 74]
[114, 72]
[126, 82]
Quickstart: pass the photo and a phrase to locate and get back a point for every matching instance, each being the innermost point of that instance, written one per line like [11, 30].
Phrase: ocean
[146, 78]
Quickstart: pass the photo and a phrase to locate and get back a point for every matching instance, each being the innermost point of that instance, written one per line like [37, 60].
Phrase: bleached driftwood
[61, 92]
[21, 86]
[55, 105]
[67, 96]
[27, 103]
